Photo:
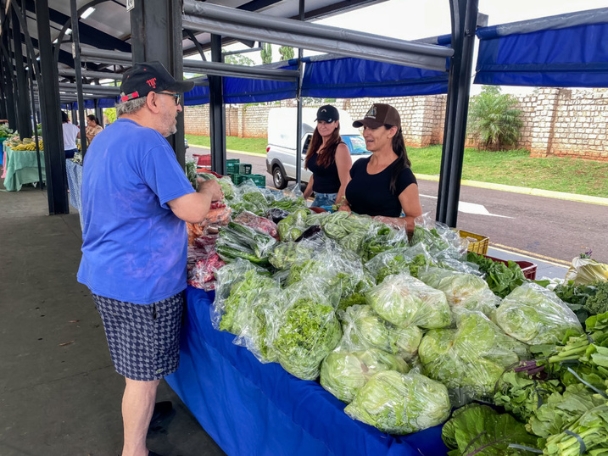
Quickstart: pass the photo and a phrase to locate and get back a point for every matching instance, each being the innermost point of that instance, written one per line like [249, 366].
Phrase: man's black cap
[328, 114]
[143, 78]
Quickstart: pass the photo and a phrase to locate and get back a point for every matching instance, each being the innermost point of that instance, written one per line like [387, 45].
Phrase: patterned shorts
[143, 339]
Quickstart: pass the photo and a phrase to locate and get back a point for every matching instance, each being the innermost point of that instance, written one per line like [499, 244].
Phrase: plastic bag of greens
[380, 238]
[305, 332]
[469, 360]
[228, 188]
[398, 260]
[292, 226]
[363, 329]
[404, 301]
[462, 290]
[286, 254]
[584, 270]
[535, 315]
[440, 240]
[400, 403]
[232, 313]
[344, 373]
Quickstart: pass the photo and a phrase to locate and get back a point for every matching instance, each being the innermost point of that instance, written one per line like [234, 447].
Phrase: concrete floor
[59, 393]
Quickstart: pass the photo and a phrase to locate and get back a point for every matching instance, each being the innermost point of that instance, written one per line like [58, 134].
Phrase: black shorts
[143, 339]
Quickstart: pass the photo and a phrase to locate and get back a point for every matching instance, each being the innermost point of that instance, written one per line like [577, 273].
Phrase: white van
[281, 150]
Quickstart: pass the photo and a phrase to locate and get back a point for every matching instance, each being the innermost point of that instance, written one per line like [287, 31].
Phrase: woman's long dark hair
[329, 153]
[93, 118]
[402, 161]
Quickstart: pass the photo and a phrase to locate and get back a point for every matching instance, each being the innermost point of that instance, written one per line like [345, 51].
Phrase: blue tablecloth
[74, 173]
[250, 408]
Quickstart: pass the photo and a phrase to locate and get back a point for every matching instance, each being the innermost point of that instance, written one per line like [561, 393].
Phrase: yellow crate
[477, 243]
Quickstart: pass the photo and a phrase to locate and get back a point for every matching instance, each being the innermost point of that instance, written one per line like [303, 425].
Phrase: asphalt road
[552, 229]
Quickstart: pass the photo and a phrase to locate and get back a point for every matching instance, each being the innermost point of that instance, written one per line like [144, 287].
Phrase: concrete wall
[559, 122]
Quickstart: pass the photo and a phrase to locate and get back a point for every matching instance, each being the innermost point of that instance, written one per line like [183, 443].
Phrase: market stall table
[20, 168]
[250, 408]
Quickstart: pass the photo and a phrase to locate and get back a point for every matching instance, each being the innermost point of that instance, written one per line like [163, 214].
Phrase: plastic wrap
[218, 215]
[250, 198]
[292, 226]
[469, 360]
[260, 224]
[440, 241]
[462, 290]
[404, 301]
[364, 329]
[398, 260]
[306, 331]
[344, 373]
[380, 238]
[228, 188]
[587, 271]
[240, 241]
[535, 315]
[400, 403]
[202, 269]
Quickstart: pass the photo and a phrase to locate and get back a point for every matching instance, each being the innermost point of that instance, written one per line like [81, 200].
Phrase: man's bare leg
[137, 408]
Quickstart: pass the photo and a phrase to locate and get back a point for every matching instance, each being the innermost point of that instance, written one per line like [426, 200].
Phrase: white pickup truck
[281, 149]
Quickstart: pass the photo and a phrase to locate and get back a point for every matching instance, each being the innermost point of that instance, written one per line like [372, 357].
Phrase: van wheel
[278, 179]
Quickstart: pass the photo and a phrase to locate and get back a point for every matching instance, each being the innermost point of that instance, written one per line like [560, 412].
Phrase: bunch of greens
[289, 204]
[400, 403]
[560, 410]
[239, 241]
[343, 373]
[598, 302]
[249, 199]
[190, 172]
[469, 360]
[381, 238]
[5, 131]
[307, 331]
[575, 296]
[405, 301]
[534, 315]
[478, 429]
[228, 188]
[439, 240]
[463, 290]
[292, 226]
[522, 396]
[586, 270]
[502, 279]
[288, 254]
[363, 329]
[587, 435]
[398, 260]
[354, 295]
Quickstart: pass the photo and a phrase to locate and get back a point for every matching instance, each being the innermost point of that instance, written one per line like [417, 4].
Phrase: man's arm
[193, 207]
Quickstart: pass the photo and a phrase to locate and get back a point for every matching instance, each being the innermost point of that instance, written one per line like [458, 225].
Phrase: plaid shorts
[143, 339]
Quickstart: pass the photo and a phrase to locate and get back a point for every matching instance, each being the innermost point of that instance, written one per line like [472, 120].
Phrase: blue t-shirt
[134, 247]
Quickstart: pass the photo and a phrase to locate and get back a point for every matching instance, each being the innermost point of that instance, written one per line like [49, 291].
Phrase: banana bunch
[27, 145]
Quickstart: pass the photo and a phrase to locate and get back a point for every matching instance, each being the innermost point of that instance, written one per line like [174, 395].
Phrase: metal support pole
[31, 81]
[54, 154]
[7, 61]
[217, 112]
[464, 22]
[24, 123]
[302, 12]
[156, 34]
[78, 69]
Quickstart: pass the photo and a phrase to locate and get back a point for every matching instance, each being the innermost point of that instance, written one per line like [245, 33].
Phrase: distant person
[136, 199]
[328, 158]
[70, 133]
[93, 127]
[383, 185]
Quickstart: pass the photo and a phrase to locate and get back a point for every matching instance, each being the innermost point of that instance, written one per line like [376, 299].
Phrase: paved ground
[59, 394]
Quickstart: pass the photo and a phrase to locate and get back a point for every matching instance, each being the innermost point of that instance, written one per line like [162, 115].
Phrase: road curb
[525, 190]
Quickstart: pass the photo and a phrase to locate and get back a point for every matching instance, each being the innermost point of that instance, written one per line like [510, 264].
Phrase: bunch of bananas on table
[26, 144]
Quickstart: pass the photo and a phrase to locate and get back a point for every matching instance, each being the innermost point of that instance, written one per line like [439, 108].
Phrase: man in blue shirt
[135, 200]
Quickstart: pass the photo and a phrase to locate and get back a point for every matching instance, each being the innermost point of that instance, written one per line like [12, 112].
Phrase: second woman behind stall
[328, 158]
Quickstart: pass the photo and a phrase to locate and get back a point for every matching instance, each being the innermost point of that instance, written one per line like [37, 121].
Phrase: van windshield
[356, 144]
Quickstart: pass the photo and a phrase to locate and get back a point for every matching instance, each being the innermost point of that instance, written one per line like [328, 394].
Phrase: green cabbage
[469, 360]
[535, 315]
[400, 403]
[344, 373]
[404, 301]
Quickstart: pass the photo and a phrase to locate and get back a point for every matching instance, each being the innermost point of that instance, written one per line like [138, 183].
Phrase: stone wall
[559, 122]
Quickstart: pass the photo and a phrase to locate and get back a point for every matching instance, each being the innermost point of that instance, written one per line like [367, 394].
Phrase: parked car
[281, 149]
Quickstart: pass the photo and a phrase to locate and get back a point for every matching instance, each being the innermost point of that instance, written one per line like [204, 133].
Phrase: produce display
[411, 333]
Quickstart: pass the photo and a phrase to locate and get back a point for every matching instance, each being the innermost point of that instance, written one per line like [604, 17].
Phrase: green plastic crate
[258, 179]
[244, 168]
[233, 160]
[232, 168]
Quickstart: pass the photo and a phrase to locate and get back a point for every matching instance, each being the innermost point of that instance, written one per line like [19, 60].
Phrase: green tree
[238, 59]
[110, 114]
[286, 52]
[494, 119]
[266, 53]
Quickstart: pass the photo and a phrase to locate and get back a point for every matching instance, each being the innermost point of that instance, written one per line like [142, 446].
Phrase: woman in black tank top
[328, 159]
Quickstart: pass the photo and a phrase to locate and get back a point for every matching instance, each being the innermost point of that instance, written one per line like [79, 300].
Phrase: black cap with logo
[328, 114]
[143, 78]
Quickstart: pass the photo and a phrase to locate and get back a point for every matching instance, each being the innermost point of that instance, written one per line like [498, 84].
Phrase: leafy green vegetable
[584, 270]
[535, 315]
[598, 302]
[400, 403]
[344, 373]
[479, 430]
[307, 332]
[398, 260]
[292, 226]
[502, 279]
[587, 435]
[469, 360]
[404, 301]
[287, 254]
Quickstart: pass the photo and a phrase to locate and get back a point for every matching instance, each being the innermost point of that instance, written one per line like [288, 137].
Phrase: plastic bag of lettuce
[343, 373]
[400, 403]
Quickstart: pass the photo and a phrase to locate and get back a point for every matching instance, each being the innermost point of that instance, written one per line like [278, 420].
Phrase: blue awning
[570, 50]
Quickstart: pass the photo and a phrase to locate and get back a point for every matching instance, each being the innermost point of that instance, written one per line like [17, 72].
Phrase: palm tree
[494, 119]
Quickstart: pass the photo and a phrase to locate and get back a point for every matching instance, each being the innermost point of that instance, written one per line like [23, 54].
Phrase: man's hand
[210, 187]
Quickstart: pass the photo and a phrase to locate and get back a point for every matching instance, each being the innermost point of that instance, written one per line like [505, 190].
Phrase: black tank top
[326, 180]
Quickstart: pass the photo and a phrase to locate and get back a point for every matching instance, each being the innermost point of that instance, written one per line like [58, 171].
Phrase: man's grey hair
[130, 107]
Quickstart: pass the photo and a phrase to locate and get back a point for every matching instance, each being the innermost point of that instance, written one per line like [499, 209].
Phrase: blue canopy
[570, 50]
[90, 104]
[331, 76]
